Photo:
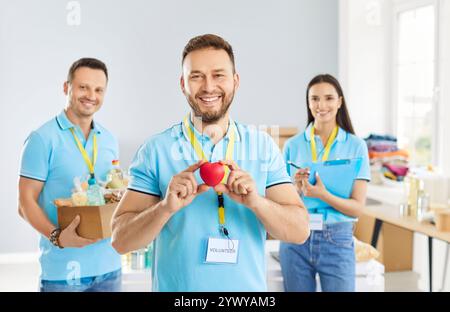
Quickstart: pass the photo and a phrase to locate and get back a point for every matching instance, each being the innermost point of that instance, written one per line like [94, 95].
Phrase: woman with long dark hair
[329, 251]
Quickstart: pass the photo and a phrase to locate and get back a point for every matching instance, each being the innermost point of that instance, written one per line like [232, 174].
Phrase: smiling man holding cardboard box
[68, 146]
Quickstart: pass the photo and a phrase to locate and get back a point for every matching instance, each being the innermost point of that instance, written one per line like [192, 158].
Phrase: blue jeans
[109, 282]
[329, 253]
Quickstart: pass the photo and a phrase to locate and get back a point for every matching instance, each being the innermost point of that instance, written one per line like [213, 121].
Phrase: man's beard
[211, 117]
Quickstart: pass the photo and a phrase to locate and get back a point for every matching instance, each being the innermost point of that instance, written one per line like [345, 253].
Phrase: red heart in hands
[212, 173]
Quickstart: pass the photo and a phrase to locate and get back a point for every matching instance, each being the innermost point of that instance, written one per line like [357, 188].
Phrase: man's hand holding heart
[240, 186]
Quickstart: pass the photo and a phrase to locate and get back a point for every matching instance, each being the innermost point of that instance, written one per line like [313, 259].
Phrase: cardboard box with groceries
[94, 201]
[95, 221]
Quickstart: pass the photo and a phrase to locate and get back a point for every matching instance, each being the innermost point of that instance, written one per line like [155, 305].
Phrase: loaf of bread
[63, 202]
[364, 252]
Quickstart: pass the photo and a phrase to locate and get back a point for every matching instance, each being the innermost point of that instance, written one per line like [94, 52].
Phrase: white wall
[364, 62]
[279, 46]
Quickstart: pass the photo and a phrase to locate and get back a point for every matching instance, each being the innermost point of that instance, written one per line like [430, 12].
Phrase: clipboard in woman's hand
[337, 175]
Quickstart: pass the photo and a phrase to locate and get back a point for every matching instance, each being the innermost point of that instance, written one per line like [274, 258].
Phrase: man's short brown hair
[86, 62]
[208, 41]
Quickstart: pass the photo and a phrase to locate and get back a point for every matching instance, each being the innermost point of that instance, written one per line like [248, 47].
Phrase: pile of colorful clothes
[386, 157]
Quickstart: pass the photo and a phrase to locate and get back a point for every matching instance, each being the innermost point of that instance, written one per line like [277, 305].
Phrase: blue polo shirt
[180, 248]
[51, 155]
[346, 145]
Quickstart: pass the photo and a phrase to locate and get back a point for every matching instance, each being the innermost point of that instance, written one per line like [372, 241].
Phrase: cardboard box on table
[95, 221]
[395, 244]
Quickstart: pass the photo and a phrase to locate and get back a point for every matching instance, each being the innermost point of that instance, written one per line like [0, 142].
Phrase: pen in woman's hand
[293, 165]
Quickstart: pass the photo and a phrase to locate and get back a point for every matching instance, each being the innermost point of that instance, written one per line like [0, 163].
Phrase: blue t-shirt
[346, 145]
[180, 248]
[51, 155]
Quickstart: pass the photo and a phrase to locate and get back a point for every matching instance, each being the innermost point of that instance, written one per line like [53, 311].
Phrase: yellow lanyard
[327, 147]
[228, 155]
[89, 163]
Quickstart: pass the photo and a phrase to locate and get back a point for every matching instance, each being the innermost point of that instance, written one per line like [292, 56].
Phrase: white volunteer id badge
[222, 250]
[316, 222]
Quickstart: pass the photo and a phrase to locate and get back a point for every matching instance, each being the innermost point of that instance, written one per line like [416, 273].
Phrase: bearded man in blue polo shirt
[208, 237]
[51, 159]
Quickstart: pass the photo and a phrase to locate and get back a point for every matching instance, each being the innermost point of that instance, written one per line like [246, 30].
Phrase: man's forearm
[132, 231]
[283, 221]
[36, 217]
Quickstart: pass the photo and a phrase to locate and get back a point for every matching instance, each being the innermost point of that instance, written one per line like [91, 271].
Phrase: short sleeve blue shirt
[346, 145]
[180, 248]
[51, 155]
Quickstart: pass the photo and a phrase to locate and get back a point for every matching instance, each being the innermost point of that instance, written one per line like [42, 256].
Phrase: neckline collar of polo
[237, 137]
[341, 136]
[64, 122]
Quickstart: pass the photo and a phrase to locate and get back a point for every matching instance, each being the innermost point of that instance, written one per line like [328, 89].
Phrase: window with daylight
[415, 82]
